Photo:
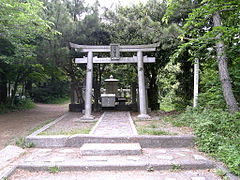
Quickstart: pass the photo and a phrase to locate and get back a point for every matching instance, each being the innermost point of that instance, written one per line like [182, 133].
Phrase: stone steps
[97, 149]
[146, 141]
[120, 175]
[99, 165]
[151, 159]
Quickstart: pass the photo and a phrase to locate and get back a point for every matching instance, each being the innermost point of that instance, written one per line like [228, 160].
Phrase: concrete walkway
[115, 124]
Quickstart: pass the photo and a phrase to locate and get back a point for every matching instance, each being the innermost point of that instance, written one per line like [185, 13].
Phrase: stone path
[115, 124]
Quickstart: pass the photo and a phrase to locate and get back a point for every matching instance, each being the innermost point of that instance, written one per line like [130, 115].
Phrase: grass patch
[217, 131]
[222, 174]
[173, 119]
[167, 107]
[149, 131]
[21, 142]
[53, 169]
[69, 133]
[176, 167]
[152, 127]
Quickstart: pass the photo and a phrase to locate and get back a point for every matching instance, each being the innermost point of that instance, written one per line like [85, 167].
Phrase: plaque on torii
[115, 50]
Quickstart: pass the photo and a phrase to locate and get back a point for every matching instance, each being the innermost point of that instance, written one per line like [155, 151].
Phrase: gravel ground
[71, 125]
[156, 123]
[18, 124]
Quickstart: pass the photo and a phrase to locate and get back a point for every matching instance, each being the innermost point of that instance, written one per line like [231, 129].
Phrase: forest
[37, 64]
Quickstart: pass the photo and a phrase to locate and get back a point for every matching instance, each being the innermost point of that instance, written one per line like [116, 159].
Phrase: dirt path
[18, 124]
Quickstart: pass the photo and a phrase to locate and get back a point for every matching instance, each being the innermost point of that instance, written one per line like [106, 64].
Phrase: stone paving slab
[9, 154]
[96, 149]
[8, 158]
[159, 159]
[115, 124]
[113, 175]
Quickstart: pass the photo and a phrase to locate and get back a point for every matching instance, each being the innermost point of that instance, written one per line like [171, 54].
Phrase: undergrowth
[22, 104]
[217, 131]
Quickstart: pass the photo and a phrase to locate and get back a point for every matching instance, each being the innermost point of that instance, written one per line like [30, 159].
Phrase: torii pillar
[142, 87]
[88, 93]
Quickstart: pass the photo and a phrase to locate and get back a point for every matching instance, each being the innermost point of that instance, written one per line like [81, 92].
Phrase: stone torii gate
[115, 50]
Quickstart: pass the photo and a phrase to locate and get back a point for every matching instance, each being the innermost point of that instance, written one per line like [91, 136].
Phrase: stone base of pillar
[87, 117]
[143, 116]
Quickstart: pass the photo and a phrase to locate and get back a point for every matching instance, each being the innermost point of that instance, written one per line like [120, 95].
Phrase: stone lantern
[109, 98]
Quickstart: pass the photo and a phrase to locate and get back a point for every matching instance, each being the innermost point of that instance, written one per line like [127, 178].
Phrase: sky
[109, 3]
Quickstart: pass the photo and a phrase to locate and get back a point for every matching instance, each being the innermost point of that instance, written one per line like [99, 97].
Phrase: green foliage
[21, 142]
[176, 167]
[20, 104]
[54, 169]
[198, 38]
[222, 174]
[218, 133]
[4, 178]
[55, 92]
[147, 131]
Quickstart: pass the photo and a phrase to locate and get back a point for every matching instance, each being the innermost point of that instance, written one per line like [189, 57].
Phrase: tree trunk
[28, 88]
[3, 88]
[153, 94]
[223, 69]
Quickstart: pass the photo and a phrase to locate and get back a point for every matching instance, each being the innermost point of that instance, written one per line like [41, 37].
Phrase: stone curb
[228, 173]
[8, 156]
[145, 141]
[134, 130]
[96, 125]
[7, 172]
[48, 125]
[118, 167]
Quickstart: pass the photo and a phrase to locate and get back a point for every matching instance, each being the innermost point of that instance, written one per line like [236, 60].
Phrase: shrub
[20, 104]
[218, 133]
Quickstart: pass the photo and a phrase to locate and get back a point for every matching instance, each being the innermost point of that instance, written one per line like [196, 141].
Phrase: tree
[209, 25]
[20, 25]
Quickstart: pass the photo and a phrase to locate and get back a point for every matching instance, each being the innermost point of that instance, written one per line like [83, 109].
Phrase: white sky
[109, 3]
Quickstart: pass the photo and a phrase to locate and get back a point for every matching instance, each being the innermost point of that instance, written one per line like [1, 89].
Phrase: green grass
[21, 142]
[53, 169]
[222, 174]
[167, 107]
[176, 167]
[174, 121]
[149, 131]
[69, 133]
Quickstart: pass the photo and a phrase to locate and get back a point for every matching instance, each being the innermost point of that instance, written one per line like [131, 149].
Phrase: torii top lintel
[122, 48]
